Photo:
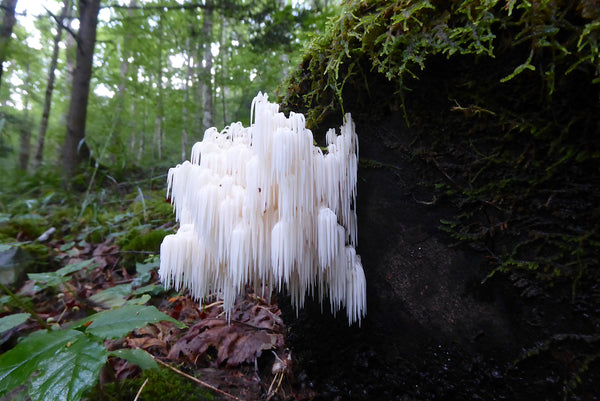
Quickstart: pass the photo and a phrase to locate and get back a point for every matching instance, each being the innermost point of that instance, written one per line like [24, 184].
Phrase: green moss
[162, 385]
[149, 241]
[398, 39]
[136, 245]
[501, 98]
[97, 235]
[25, 227]
[153, 209]
[42, 255]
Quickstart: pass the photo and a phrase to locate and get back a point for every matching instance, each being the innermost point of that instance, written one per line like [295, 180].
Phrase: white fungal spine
[263, 206]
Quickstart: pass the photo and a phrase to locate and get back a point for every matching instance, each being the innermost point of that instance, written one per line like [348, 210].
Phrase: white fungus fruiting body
[263, 206]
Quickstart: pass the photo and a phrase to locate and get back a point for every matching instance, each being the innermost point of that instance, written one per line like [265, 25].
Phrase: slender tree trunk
[142, 145]
[199, 87]
[223, 54]
[25, 134]
[158, 121]
[123, 72]
[75, 150]
[8, 21]
[207, 34]
[133, 126]
[186, 99]
[70, 56]
[39, 149]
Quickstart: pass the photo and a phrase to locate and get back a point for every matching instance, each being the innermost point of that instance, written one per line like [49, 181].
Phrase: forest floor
[116, 237]
[263, 352]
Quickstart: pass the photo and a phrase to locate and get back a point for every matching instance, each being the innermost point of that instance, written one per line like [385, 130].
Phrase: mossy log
[479, 224]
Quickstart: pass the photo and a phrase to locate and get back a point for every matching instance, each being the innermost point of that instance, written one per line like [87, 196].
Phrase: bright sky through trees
[158, 72]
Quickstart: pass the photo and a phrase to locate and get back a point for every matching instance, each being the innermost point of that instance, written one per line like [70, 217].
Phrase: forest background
[162, 73]
[98, 99]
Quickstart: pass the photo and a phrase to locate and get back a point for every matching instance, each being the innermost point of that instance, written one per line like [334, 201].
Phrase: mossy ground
[162, 385]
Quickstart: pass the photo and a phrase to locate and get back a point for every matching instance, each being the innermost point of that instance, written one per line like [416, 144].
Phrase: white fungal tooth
[262, 206]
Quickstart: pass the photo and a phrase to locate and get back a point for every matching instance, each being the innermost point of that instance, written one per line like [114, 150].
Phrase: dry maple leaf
[252, 329]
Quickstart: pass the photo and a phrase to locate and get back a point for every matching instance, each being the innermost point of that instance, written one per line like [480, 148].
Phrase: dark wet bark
[75, 149]
[8, 22]
[39, 149]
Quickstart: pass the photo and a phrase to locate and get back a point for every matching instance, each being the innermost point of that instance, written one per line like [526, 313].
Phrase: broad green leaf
[144, 271]
[73, 267]
[4, 300]
[17, 364]
[151, 289]
[70, 372]
[6, 247]
[117, 323]
[10, 321]
[143, 268]
[138, 357]
[54, 279]
[113, 296]
[141, 300]
[67, 246]
[51, 279]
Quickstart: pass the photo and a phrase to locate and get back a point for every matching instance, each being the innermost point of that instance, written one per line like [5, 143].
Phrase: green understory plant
[63, 363]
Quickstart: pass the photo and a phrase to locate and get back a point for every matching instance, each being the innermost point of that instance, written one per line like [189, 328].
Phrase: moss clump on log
[503, 99]
[397, 39]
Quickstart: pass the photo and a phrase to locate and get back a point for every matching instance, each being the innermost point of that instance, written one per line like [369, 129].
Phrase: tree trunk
[199, 87]
[186, 99]
[6, 30]
[39, 149]
[25, 134]
[70, 56]
[75, 150]
[207, 35]
[133, 124]
[124, 71]
[158, 121]
[142, 143]
[224, 60]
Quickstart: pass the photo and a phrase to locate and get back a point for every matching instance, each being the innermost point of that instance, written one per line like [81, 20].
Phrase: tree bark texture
[6, 30]
[223, 55]
[25, 134]
[207, 35]
[39, 149]
[186, 99]
[158, 121]
[75, 150]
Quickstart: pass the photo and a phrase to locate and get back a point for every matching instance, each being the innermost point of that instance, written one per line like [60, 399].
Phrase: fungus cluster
[262, 206]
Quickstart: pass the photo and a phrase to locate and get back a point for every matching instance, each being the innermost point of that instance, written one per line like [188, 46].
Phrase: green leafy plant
[11, 321]
[54, 279]
[61, 364]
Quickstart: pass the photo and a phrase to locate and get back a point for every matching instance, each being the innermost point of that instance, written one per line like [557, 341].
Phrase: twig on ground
[140, 391]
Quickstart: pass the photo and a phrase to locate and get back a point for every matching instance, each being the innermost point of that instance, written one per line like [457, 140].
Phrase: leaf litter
[252, 329]
[232, 355]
